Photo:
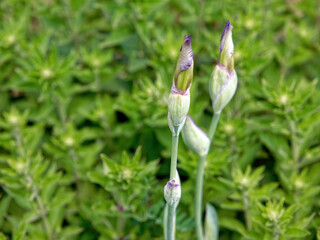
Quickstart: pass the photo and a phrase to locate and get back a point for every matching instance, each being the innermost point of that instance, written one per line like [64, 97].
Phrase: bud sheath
[222, 87]
[178, 104]
[195, 138]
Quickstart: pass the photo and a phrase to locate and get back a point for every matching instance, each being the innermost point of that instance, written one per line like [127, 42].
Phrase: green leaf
[296, 232]
[20, 233]
[277, 144]
[61, 199]
[232, 205]
[116, 37]
[232, 224]
[69, 232]
[2, 236]
[4, 204]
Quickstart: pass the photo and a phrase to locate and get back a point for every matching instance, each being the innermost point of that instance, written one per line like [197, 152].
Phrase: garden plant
[89, 87]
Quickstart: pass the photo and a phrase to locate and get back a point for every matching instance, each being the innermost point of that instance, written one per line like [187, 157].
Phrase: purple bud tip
[226, 29]
[120, 208]
[172, 183]
[186, 41]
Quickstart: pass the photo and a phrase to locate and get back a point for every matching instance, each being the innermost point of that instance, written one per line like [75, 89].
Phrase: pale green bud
[172, 192]
[195, 138]
[178, 105]
[222, 87]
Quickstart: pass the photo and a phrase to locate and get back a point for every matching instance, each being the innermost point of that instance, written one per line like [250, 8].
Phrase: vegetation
[84, 139]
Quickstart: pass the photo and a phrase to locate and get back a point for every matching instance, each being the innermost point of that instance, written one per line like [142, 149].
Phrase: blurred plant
[128, 184]
[276, 221]
[35, 184]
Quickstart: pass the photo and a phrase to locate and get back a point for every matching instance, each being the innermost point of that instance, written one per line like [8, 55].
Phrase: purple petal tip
[226, 28]
[172, 183]
[186, 66]
[186, 55]
[186, 41]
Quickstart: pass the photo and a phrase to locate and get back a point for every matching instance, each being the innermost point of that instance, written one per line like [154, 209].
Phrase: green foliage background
[81, 78]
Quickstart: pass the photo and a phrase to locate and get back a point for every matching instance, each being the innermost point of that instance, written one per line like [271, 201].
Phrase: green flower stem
[174, 156]
[171, 222]
[198, 196]
[246, 209]
[199, 180]
[170, 232]
[213, 126]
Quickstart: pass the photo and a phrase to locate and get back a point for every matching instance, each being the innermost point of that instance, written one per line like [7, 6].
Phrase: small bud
[178, 104]
[172, 192]
[227, 47]
[222, 87]
[195, 138]
[183, 74]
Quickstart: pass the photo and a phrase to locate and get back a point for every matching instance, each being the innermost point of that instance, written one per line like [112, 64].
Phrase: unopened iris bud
[178, 104]
[183, 74]
[223, 81]
[195, 138]
[172, 192]
[227, 47]
[179, 99]
[222, 87]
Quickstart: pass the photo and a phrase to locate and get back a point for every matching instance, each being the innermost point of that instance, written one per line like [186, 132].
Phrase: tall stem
[199, 180]
[198, 196]
[171, 222]
[171, 216]
[246, 209]
[174, 156]
[213, 126]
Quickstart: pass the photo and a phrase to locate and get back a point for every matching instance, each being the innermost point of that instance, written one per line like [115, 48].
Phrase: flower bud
[222, 87]
[183, 74]
[172, 192]
[227, 47]
[195, 138]
[178, 104]
[179, 99]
